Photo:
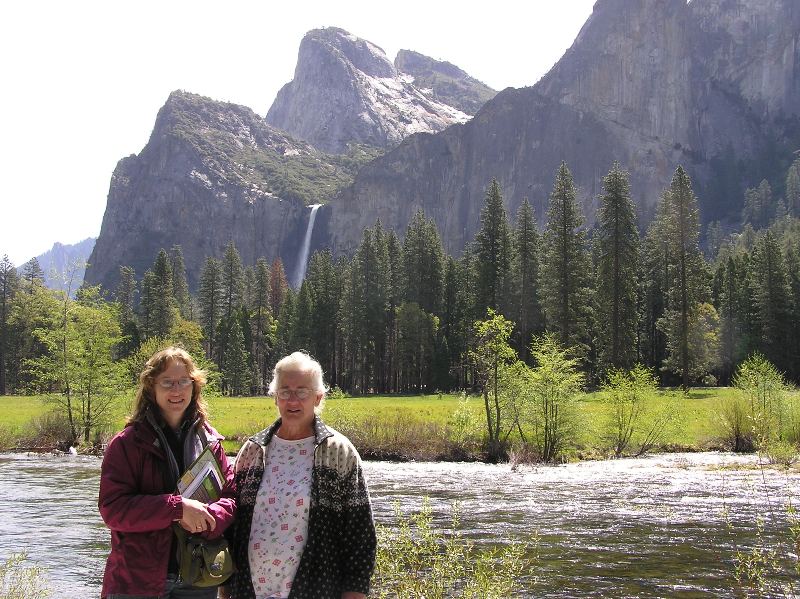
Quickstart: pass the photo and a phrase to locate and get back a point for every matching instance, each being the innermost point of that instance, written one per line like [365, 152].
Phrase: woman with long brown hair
[138, 498]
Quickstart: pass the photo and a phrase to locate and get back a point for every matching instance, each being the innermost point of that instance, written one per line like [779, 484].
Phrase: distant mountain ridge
[64, 265]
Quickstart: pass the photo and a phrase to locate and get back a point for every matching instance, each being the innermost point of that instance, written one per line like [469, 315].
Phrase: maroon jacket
[138, 508]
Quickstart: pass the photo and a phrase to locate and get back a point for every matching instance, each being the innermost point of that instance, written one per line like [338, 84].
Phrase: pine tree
[394, 297]
[263, 324]
[618, 249]
[771, 295]
[423, 262]
[126, 299]
[565, 273]
[457, 315]
[324, 286]
[303, 332]
[793, 189]
[8, 287]
[688, 284]
[210, 300]
[527, 311]
[277, 285]
[162, 315]
[32, 273]
[232, 281]
[758, 206]
[732, 303]
[235, 370]
[351, 333]
[180, 288]
[493, 253]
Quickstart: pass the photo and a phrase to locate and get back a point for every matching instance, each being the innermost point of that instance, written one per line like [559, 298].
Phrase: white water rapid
[302, 259]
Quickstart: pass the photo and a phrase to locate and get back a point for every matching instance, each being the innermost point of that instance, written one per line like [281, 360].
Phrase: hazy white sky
[83, 80]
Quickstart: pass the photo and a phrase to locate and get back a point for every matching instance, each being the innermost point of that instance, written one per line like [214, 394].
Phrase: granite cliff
[211, 173]
[345, 90]
[713, 85]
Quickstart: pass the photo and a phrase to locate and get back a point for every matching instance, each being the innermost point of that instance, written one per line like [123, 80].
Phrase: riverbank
[442, 427]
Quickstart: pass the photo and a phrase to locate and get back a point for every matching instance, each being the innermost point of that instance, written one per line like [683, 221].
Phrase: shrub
[415, 561]
[49, 430]
[780, 453]
[733, 415]
[18, 581]
[765, 390]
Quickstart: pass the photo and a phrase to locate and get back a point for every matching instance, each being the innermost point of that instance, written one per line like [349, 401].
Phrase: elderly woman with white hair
[304, 526]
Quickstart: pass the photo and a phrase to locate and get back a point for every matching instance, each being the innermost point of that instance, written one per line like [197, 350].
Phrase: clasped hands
[196, 517]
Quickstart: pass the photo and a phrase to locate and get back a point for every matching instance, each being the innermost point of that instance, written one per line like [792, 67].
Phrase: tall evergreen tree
[163, 309]
[324, 286]
[527, 310]
[210, 300]
[423, 263]
[125, 296]
[277, 285]
[351, 328]
[32, 273]
[732, 303]
[263, 324]
[493, 253]
[772, 303]
[180, 288]
[793, 189]
[618, 257]
[235, 369]
[456, 321]
[232, 281]
[8, 286]
[565, 274]
[758, 206]
[688, 277]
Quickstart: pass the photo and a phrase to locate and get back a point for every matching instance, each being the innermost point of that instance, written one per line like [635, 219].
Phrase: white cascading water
[302, 260]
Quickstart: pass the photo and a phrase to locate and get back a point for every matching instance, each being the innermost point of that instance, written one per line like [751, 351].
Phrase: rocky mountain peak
[444, 81]
[346, 91]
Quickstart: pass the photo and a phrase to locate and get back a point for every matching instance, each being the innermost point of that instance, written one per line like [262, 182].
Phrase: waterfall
[302, 259]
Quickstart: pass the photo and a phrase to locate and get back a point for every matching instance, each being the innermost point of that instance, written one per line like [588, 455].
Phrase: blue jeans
[173, 590]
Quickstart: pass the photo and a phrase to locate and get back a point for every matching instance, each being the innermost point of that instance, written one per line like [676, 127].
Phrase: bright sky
[83, 80]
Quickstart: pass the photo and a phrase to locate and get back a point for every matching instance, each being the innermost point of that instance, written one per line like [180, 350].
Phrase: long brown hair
[158, 363]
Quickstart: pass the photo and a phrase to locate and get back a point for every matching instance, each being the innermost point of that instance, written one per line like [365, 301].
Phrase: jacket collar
[321, 432]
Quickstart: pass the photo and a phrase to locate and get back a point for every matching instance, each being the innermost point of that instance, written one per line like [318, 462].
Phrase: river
[659, 526]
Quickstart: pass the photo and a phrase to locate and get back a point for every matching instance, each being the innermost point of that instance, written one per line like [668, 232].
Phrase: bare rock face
[444, 81]
[346, 91]
[712, 85]
[211, 173]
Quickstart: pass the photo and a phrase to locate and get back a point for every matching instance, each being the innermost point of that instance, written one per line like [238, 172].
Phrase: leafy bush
[51, 429]
[18, 581]
[415, 561]
[733, 415]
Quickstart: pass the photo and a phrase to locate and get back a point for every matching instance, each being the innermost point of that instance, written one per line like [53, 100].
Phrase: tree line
[401, 315]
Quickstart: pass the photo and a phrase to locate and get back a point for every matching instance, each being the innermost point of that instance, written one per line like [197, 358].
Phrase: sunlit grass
[392, 424]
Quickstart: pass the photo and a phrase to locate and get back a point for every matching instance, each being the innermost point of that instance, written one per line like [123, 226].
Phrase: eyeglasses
[300, 394]
[167, 384]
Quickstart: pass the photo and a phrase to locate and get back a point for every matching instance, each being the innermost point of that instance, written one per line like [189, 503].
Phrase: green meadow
[445, 426]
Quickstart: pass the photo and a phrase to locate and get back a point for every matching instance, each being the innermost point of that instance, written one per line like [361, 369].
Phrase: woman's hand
[196, 517]
[353, 595]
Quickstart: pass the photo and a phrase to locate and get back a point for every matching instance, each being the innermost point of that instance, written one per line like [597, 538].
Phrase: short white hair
[298, 361]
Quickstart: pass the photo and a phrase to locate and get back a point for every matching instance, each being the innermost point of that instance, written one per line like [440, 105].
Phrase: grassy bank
[438, 427]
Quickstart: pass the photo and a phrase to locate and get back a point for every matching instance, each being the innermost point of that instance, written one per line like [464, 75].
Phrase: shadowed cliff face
[345, 90]
[211, 173]
[651, 83]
